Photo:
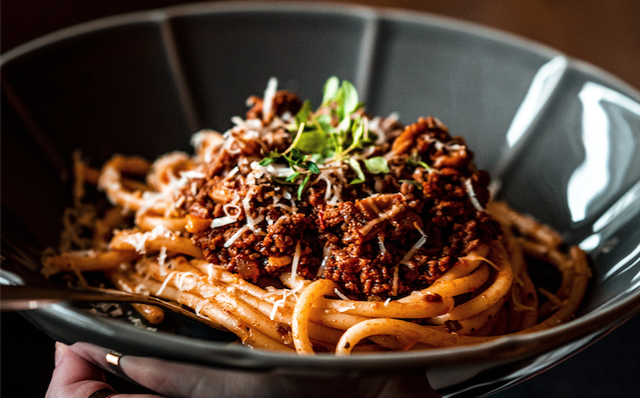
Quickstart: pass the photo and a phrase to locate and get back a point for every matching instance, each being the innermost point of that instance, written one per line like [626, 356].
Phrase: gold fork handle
[18, 298]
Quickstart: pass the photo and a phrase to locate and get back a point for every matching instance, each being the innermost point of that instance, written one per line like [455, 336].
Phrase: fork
[19, 298]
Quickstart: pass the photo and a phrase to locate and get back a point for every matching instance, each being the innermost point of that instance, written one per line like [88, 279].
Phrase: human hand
[79, 373]
[74, 376]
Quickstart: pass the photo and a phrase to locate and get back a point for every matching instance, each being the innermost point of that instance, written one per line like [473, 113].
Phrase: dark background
[604, 33]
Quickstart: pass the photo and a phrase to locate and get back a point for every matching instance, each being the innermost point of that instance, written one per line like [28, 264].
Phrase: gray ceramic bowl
[562, 138]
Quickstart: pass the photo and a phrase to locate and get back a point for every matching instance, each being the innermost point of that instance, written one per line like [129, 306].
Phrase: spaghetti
[323, 231]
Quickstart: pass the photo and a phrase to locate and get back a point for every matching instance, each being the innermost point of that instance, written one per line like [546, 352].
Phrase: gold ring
[113, 360]
[103, 393]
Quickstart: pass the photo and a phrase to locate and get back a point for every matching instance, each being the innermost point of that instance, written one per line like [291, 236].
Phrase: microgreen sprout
[334, 132]
[414, 160]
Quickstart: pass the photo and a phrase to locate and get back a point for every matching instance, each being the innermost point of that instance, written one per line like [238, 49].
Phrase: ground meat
[421, 209]
[283, 101]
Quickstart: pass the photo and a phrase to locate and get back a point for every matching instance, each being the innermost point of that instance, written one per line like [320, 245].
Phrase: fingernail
[61, 349]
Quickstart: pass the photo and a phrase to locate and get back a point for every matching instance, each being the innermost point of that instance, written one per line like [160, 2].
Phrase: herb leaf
[350, 98]
[303, 114]
[377, 165]
[412, 182]
[312, 167]
[414, 160]
[266, 161]
[303, 185]
[312, 141]
[356, 167]
[329, 134]
[292, 177]
[330, 90]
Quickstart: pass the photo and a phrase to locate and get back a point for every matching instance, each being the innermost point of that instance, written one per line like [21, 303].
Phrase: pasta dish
[321, 230]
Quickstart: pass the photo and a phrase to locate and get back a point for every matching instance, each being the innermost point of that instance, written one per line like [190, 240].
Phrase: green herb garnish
[377, 165]
[335, 132]
[414, 160]
[356, 167]
[412, 182]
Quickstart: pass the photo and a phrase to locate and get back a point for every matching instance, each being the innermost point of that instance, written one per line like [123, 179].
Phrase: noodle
[325, 231]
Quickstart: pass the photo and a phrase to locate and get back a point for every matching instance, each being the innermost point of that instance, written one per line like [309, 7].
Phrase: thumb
[76, 377]
[73, 376]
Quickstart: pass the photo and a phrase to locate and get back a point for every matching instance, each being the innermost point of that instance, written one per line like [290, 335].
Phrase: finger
[191, 381]
[179, 380]
[96, 357]
[73, 376]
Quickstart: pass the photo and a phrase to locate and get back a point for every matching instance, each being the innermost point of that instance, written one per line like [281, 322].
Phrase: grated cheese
[472, 257]
[150, 199]
[210, 272]
[191, 174]
[396, 277]
[183, 284]
[200, 306]
[294, 264]
[234, 206]
[326, 251]
[221, 221]
[246, 204]
[395, 209]
[162, 256]
[381, 245]
[233, 172]
[407, 257]
[412, 251]
[255, 124]
[340, 294]
[269, 94]
[278, 303]
[165, 283]
[275, 170]
[229, 143]
[206, 143]
[329, 189]
[138, 239]
[337, 190]
[238, 121]
[472, 195]
[289, 209]
[235, 236]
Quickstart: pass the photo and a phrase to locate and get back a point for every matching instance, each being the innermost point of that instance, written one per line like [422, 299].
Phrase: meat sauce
[391, 234]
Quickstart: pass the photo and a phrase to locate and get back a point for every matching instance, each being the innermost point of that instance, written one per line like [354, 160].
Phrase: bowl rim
[365, 12]
[507, 348]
